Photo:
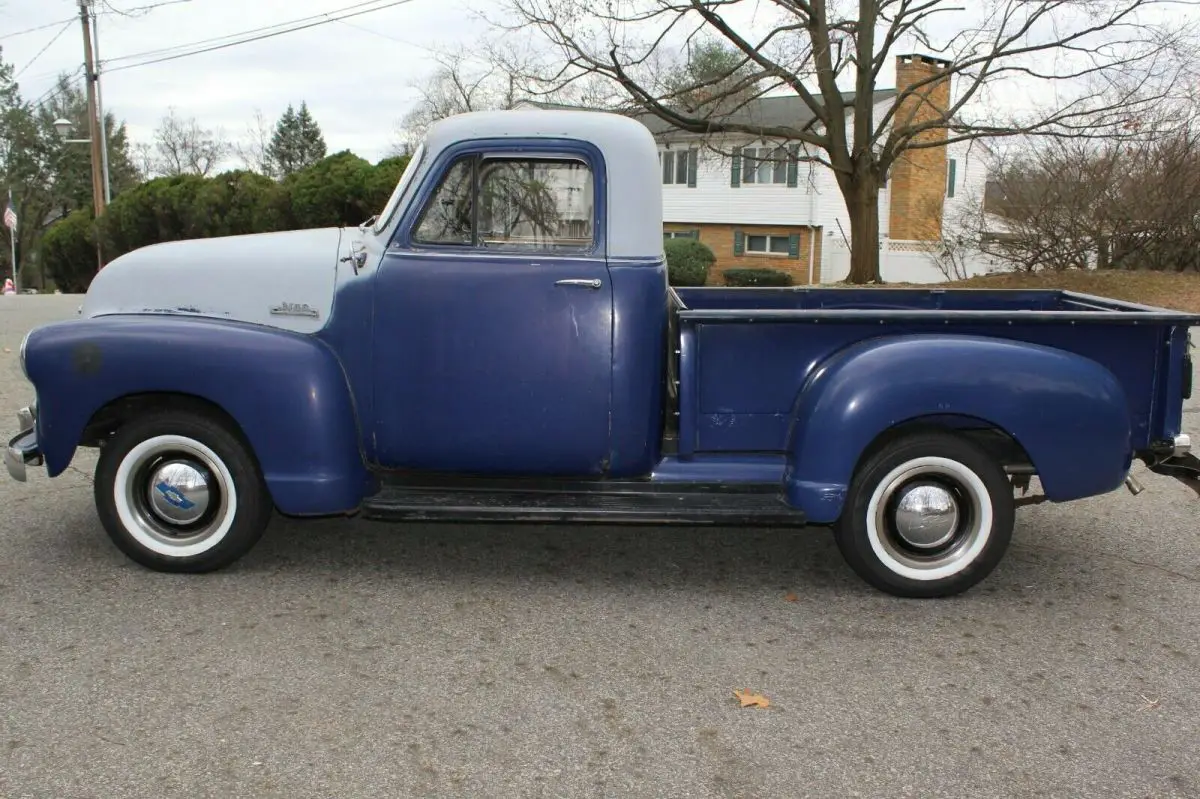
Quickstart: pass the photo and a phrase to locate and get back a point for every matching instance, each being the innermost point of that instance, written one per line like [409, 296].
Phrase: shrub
[756, 277]
[688, 262]
[334, 191]
[69, 251]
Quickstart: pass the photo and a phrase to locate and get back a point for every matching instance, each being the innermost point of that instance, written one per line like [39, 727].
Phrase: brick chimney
[917, 186]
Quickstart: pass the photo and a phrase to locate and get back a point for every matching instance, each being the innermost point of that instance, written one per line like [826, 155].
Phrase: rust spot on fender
[86, 359]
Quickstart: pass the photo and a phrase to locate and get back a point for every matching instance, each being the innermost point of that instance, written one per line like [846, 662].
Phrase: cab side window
[536, 205]
[512, 205]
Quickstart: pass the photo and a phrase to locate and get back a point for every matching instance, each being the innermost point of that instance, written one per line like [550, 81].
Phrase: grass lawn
[1180, 291]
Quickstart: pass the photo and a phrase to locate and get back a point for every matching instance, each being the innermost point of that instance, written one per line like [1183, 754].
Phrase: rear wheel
[180, 492]
[929, 515]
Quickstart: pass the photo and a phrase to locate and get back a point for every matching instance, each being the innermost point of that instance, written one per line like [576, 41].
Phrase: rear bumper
[1178, 462]
[23, 450]
[1182, 445]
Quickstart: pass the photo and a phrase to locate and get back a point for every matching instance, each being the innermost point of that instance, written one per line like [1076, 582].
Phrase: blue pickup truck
[501, 343]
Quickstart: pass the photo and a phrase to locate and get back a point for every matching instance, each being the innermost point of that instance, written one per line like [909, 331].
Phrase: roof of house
[780, 111]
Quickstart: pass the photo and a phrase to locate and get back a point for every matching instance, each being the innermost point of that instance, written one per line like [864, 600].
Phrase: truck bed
[851, 303]
[745, 354]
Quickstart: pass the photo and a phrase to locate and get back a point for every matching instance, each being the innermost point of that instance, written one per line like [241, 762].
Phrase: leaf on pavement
[749, 698]
[790, 596]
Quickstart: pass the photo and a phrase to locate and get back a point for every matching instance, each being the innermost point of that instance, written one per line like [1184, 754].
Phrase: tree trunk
[862, 203]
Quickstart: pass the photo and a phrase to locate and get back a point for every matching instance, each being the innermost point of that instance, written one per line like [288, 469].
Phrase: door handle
[591, 284]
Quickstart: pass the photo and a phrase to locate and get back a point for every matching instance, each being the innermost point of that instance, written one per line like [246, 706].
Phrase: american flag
[10, 216]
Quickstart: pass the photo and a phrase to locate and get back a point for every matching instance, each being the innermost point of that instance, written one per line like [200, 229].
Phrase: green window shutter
[793, 245]
[735, 175]
[739, 242]
[691, 169]
[952, 169]
[793, 167]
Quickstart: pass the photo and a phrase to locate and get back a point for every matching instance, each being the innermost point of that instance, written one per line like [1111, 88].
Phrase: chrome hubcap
[930, 517]
[175, 494]
[178, 492]
[926, 516]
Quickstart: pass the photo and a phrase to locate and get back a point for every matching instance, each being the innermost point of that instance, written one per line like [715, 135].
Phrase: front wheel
[929, 515]
[181, 492]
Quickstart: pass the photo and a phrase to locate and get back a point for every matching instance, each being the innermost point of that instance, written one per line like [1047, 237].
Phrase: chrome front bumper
[23, 450]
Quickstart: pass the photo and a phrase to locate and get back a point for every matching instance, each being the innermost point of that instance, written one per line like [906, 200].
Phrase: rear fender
[286, 391]
[1069, 413]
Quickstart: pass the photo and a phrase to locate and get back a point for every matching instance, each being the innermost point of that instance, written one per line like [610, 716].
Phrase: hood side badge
[295, 309]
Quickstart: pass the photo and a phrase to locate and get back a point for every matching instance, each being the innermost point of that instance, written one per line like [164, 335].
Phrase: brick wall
[918, 178]
[721, 238]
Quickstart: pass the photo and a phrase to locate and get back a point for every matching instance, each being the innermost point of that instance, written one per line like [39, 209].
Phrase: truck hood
[283, 279]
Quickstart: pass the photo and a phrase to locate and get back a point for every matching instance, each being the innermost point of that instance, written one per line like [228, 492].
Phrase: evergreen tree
[297, 142]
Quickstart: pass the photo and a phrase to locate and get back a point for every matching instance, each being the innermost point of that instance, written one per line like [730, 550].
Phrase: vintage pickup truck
[502, 344]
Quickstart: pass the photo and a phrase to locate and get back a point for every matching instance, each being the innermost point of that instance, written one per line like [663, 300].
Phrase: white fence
[904, 262]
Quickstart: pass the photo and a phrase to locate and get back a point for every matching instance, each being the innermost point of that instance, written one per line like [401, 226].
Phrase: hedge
[340, 189]
[756, 277]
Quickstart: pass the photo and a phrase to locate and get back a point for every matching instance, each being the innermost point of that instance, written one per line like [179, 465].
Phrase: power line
[426, 48]
[111, 10]
[133, 12]
[51, 94]
[29, 63]
[35, 30]
[268, 30]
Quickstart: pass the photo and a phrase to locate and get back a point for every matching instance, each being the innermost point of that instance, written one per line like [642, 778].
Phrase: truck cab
[501, 343]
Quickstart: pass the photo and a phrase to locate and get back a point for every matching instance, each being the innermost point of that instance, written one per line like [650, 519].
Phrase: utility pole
[100, 108]
[98, 199]
[90, 68]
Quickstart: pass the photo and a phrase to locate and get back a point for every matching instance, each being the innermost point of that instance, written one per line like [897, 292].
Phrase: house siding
[713, 200]
[816, 200]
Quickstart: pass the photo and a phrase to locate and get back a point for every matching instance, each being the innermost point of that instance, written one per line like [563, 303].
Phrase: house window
[764, 165]
[681, 234]
[511, 204]
[767, 245]
[678, 167]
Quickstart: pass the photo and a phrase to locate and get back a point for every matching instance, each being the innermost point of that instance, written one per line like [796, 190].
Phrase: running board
[592, 506]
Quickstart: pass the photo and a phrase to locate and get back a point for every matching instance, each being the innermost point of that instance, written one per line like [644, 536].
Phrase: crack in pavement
[1112, 556]
[72, 467]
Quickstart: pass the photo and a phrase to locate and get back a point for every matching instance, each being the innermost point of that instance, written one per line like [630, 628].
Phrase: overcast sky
[357, 75]
[357, 82]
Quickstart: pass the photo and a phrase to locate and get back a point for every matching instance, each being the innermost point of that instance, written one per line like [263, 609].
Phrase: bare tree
[182, 147]
[461, 82]
[1102, 61]
[252, 150]
[1122, 204]
[488, 75]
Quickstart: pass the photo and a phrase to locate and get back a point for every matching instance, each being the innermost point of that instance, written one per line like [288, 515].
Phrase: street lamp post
[63, 128]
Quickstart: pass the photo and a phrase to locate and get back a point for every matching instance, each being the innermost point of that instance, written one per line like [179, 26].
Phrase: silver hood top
[283, 279]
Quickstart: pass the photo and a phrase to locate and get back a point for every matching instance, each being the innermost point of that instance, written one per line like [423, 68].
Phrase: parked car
[501, 344]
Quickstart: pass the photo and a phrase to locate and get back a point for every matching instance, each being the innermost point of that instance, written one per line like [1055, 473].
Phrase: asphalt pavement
[345, 658]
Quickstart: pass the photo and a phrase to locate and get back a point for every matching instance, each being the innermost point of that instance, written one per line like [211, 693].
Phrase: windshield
[385, 215]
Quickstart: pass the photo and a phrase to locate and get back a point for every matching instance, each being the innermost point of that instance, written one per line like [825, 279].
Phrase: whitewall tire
[180, 491]
[931, 514]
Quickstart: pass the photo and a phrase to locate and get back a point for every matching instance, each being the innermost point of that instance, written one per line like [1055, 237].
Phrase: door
[493, 321]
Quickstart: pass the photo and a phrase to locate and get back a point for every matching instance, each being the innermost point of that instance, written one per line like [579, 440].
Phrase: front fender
[286, 391]
[1068, 412]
